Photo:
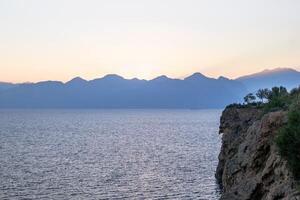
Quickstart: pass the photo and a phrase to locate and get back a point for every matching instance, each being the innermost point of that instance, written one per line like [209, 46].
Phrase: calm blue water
[108, 154]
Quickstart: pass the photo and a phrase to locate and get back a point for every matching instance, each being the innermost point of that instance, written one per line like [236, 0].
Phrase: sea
[109, 154]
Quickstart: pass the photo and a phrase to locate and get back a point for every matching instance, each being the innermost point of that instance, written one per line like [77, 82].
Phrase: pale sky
[61, 39]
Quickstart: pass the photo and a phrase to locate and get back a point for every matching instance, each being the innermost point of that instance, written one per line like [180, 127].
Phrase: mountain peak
[160, 78]
[112, 77]
[277, 70]
[269, 78]
[223, 78]
[196, 76]
[269, 72]
[76, 80]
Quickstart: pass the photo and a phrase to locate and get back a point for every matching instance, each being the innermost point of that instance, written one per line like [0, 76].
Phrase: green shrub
[288, 140]
[278, 99]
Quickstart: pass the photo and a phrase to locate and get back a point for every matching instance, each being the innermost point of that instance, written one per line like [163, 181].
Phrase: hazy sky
[60, 39]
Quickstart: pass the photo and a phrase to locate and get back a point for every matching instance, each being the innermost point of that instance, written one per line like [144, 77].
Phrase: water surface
[108, 154]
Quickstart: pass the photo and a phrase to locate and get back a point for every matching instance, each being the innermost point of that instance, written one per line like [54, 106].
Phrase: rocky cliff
[249, 164]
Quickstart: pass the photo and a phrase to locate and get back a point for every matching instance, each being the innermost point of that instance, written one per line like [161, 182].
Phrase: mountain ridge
[260, 73]
[286, 77]
[115, 91]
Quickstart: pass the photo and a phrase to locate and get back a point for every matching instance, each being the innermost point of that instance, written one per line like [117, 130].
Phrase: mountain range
[286, 77]
[112, 91]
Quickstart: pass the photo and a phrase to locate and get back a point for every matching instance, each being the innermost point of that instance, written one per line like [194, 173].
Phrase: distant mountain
[113, 91]
[5, 86]
[286, 77]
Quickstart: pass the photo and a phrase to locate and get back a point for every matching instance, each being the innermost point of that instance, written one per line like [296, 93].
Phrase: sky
[61, 39]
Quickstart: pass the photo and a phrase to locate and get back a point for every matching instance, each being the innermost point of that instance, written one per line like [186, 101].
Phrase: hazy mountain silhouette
[5, 86]
[286, 77]
[113, 91]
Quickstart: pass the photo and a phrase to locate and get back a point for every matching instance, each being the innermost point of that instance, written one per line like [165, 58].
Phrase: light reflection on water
[109, 154]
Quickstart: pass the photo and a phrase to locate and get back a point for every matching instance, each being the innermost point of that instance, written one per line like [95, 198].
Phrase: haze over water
[109, 154]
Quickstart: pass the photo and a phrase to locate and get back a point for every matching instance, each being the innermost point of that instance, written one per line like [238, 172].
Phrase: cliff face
[249, 164]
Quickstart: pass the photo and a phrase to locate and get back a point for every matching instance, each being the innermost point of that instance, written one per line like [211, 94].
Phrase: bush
[278, 99]
[249, 105]
[235, 105]
[288, 140]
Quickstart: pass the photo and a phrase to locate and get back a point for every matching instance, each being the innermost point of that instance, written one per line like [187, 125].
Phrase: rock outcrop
[249, 164]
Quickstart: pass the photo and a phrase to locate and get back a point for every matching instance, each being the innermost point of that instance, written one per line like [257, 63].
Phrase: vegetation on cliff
[288, 138]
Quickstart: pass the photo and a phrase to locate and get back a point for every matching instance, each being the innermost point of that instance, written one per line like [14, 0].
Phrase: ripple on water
[108, 154]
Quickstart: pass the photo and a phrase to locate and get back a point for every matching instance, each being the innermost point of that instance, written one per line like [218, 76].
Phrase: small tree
[278, 92]
[278, 98]
[249, 98]
[263, 94]
[295, 91]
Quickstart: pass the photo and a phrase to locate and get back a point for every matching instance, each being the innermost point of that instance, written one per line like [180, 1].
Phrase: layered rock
[249, 164]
